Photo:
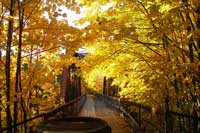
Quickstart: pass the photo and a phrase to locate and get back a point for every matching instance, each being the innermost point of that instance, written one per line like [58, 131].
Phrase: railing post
[139, 116]
[168, 118]
[119, 103]
[104, 85]
[195, 122]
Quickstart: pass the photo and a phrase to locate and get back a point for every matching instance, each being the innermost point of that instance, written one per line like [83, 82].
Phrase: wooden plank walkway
[97, 108]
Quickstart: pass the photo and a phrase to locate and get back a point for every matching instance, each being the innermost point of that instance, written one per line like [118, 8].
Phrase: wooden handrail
[48, 114]
[184, 115]
[148, 108]
[119, 107]
[123, 104]
[53, 112]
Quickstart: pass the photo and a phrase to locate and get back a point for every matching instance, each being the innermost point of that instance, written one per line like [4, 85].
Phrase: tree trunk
[18, 86]
[7, 66]
[0, 112]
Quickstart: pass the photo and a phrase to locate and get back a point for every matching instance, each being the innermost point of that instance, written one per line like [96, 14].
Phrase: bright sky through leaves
[71, 17]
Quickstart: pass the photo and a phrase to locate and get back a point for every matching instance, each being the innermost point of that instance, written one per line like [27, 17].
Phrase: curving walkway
[97, 108]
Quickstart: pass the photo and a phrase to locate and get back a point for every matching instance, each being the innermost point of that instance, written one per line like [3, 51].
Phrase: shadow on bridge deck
[93, 107]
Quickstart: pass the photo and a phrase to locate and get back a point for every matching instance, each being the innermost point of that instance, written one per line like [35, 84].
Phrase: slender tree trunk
[21, 22]
[1, 23]
[0, 112]
[7, 66]
[18, 87]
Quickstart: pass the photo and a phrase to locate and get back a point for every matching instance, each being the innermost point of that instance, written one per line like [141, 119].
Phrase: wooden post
[68, 85]
[78, 92]
[139, 116]
[168, 117]
[195, 121]
[109, 87]
[104, 85]
[79, 82]
[65, 84]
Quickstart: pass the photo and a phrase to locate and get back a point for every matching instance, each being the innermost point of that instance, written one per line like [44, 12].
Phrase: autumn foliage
[150, 48]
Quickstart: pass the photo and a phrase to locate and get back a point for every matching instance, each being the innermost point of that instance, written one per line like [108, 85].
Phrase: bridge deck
[97, 108]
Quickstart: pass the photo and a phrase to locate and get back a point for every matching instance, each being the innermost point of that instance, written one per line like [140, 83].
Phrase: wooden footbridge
[92, 106]
[95, 107]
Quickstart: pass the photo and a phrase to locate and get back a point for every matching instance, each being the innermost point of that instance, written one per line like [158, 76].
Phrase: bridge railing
[71, 108]
[148, 119]
[120, 105]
